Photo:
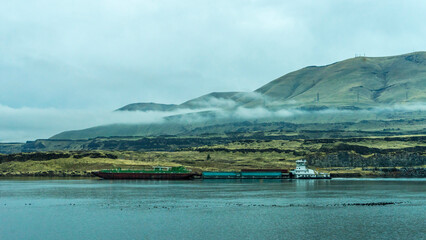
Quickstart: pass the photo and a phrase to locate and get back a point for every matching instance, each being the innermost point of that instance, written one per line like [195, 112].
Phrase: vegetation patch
[345, 157]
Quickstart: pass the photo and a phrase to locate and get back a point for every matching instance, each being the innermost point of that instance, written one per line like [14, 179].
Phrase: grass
[232, 156]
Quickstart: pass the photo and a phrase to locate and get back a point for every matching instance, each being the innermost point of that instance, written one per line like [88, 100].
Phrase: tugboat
[157, 173]
[302, 172]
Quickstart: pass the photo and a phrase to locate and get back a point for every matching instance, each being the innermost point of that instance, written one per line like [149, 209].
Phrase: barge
[157, 173]
[301, 172]
[181, 173]
[249, 174]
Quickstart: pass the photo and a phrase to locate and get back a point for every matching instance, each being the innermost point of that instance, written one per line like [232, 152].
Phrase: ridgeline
[364, 116]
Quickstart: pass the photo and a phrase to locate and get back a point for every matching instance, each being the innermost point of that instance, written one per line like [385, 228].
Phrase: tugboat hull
[314, 177]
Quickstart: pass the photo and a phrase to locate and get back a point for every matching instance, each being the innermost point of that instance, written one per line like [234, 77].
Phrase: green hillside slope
[360, 80]
[148, 107]
[211, 100]
[373, 89]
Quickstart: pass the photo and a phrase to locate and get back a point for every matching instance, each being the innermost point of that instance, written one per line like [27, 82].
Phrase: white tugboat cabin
[302, 172]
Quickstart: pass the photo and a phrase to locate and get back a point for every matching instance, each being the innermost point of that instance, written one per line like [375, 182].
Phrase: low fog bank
[23, 124]
[288, 113]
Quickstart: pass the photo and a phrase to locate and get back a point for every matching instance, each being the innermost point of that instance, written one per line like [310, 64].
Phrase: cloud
[216, 115]
[87, 54]
[410, 107]
[264, 113]
[22, 124]
[213, 102]
[97, 56]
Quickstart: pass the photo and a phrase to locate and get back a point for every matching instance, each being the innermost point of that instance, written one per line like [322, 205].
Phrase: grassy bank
[343, 157]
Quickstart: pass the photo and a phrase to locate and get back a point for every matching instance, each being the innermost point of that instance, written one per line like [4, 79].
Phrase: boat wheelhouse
[302, 172]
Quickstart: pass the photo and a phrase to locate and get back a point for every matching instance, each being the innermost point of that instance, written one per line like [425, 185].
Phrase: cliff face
[353, 159]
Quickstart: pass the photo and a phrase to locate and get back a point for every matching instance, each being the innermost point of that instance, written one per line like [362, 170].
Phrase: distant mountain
[211, 100]
[362, 81]
[214, 99]
[336, 92]
[148, 107]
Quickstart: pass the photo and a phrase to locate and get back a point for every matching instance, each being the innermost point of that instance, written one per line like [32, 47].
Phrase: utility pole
[406, 92]
[357, 95]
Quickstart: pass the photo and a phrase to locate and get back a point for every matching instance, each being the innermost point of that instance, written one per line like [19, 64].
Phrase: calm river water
[213, 209]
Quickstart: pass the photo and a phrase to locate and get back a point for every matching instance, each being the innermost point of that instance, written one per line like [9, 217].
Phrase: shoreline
[89, 175]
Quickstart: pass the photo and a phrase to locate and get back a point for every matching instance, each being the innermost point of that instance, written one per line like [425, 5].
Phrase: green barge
[157, 173]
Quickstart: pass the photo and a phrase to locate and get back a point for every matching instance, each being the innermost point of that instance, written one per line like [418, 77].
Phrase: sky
[82, 57]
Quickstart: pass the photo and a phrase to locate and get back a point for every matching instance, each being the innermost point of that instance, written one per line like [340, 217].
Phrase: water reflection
[211, 209]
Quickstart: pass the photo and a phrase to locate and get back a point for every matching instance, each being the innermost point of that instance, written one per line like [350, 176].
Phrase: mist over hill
[359, 89]
[362, 81]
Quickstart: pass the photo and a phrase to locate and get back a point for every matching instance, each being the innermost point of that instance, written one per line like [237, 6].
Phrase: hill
[148, 107]
[360, 80]
[211, 100]
[372, 89]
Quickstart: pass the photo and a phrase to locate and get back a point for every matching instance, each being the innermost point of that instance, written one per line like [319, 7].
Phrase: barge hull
[153, 176]
[245, 175]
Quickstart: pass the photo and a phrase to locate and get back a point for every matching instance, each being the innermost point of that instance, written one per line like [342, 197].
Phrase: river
[32, 208]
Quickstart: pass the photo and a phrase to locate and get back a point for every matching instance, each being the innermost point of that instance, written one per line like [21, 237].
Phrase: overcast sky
[84, 55]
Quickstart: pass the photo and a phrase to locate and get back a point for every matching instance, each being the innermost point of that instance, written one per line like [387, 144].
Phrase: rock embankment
[353, 159]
